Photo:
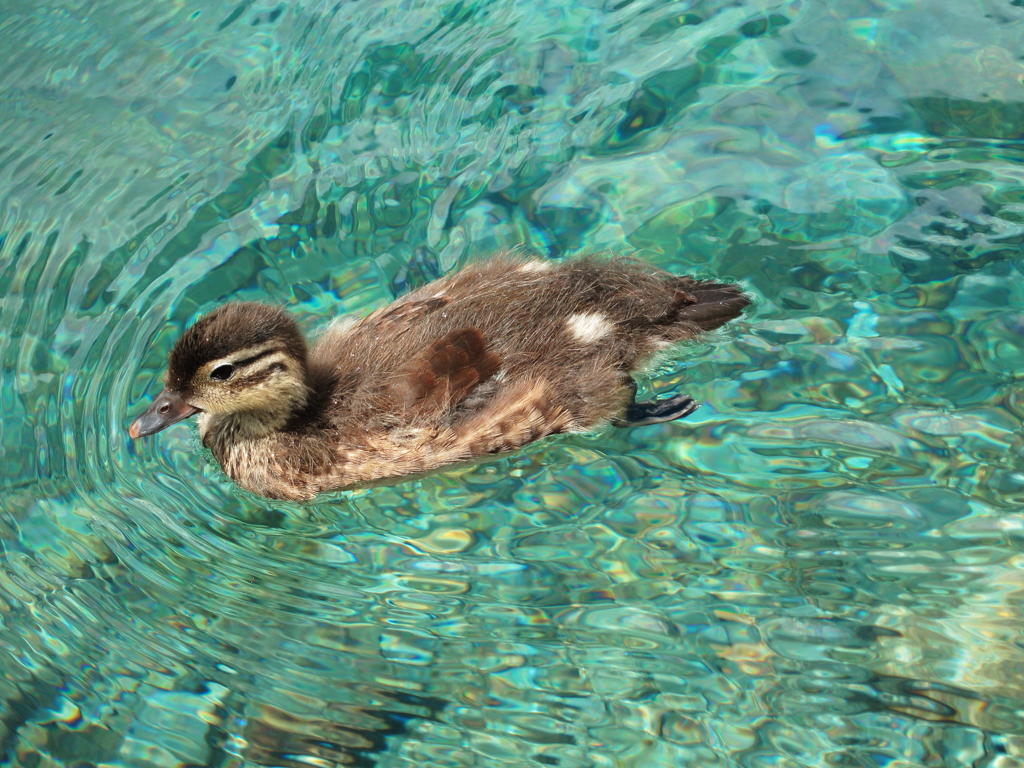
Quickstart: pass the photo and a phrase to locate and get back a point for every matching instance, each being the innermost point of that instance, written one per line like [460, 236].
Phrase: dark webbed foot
[657, 411]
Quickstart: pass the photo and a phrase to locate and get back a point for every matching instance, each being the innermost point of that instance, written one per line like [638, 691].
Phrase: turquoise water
[822, 567]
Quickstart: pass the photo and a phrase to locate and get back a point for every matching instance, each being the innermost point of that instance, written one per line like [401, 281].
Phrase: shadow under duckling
[491, 358]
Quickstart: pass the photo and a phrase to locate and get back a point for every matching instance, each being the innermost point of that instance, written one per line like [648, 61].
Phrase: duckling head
[243, 360]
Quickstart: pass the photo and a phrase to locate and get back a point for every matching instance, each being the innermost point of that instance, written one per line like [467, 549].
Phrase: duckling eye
[222, 372]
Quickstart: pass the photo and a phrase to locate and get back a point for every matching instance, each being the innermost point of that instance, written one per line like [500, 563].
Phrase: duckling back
[580, 327]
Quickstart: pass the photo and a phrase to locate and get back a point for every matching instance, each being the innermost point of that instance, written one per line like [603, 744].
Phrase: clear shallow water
[822, 567]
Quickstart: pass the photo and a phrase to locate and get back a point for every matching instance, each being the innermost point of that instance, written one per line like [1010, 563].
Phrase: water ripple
[819, 567]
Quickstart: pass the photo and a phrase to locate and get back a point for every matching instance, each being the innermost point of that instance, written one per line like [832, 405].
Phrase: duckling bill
[484, 361]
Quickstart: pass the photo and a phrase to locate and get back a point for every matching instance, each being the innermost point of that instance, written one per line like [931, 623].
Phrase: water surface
[821, 567]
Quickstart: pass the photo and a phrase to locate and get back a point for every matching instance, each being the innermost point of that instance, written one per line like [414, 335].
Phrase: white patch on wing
[536, 266]
[588, 327]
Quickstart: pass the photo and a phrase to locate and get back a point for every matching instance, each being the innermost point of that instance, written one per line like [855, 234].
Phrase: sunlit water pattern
[821, 567]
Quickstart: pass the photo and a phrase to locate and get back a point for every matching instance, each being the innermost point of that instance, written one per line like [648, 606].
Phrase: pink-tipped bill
[168, 408]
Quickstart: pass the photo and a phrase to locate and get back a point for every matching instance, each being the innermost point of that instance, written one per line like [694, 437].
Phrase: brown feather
[397, 318]
[444, 373]
[522, 414]
[714, 309]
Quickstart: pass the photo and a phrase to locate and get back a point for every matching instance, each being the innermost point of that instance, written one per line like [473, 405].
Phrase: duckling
[493, 357]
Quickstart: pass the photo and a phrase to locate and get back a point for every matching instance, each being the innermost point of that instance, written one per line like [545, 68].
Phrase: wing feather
[443, 374]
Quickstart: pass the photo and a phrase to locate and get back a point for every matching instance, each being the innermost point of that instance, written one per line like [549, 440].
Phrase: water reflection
[817, 568]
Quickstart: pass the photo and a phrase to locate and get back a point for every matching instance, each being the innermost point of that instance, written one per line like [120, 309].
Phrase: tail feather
[713, 312]
[713, 305]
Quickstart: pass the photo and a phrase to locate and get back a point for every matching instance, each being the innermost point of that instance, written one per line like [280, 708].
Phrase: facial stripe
[257, 376]
[272, 363]
[246, 357]
[258, 356]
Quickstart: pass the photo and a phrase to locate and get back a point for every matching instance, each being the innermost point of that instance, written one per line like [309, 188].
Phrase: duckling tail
[708, 305]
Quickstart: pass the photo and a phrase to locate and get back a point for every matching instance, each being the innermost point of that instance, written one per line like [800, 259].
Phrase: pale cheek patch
[588, 327]
[536, 266]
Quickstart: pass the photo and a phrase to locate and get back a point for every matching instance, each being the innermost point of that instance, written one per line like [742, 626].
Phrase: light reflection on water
[819, 567]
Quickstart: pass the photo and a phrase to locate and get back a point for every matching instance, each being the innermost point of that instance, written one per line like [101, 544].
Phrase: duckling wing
[444, 373]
